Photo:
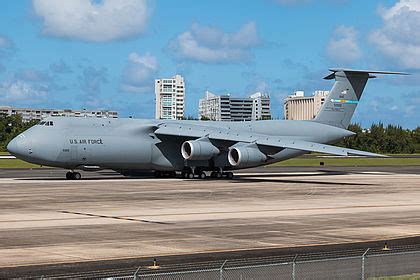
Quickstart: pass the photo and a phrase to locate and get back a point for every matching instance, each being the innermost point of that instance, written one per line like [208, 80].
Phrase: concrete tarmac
[48, 220]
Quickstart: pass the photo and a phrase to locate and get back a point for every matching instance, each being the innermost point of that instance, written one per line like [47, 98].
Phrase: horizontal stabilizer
[367, 73]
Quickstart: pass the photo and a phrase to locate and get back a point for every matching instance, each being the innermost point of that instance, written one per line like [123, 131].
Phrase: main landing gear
[219, 175]
[191, 173]
[71, 175]
[165, 174]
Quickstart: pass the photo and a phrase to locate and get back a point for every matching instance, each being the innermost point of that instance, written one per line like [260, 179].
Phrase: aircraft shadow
[302, 174]
[255, 180]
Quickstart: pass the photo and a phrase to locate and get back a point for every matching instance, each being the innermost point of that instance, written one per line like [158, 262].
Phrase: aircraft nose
[16, 147]
[12, 147]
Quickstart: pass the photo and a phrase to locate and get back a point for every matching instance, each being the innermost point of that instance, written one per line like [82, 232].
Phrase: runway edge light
[155, 265]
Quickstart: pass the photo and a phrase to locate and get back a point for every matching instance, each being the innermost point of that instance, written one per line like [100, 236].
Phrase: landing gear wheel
[190, 175]
[229, 175]
[69, 175]
[158, 174]
[218, 175]
[77, 176]
[202, 175]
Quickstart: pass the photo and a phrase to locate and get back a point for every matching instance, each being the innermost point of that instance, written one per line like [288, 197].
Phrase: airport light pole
[363, 263]
[221, 269]
[135, 273]
[294, 268]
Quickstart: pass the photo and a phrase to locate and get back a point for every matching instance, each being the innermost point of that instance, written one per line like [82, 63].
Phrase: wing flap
[326, 149]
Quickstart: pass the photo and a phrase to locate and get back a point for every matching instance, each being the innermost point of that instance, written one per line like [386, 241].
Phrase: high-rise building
[300, 107]
[261, 106]
[170, 94]
[227, 108]
[29, 114]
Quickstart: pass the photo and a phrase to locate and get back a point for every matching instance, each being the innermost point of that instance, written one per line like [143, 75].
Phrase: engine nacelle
[246, 156]
[200, 149]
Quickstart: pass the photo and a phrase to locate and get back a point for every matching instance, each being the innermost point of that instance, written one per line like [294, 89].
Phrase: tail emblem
[344, 101]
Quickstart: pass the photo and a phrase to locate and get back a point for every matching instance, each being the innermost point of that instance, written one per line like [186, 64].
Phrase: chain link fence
[363, 267]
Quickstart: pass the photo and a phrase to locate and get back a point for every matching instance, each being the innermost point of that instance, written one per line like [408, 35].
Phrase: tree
[10, 127]
[379, 139]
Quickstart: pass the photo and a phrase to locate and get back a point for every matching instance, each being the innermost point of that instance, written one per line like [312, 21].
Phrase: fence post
[221, 270]
[135, 276]
[363, 263]
[294, 268]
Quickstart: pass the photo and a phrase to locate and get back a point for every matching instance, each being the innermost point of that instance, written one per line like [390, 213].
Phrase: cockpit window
[50, 123]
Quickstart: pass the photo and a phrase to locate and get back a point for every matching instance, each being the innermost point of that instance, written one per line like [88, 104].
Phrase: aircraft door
[73, 153]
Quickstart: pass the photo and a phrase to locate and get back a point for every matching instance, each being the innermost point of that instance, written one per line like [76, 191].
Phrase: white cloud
[139, 72]
[97, 21]
[18, 90]
[399, 37]
[211, 45]
[343, 46]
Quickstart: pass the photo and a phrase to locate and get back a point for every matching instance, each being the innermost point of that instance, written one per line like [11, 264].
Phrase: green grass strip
[349, 162]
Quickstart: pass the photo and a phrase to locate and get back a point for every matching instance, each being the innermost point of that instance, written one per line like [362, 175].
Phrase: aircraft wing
[190, 131]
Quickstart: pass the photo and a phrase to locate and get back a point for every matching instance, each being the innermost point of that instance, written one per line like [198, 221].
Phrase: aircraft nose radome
[12, 147]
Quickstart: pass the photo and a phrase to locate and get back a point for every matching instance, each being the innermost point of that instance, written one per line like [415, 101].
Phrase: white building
[29, 114]
[170, 94]
[227, 108]
[261, 106]
[300, 107]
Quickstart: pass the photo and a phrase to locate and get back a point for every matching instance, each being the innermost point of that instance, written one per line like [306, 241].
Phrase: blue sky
[105, 54]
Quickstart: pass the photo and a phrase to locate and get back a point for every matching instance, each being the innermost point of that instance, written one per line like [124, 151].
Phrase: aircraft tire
[190, 175]
[229, 175]
[77, 176]
[218, 175]
[202, 175]
[69, 175]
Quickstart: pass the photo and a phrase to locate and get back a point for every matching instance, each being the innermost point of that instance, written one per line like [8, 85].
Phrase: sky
[105, 54]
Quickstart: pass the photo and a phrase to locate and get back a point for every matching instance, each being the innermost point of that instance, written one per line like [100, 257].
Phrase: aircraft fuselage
[124, 144]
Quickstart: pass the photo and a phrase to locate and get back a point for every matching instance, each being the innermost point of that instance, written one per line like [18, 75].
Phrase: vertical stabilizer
[344, 96]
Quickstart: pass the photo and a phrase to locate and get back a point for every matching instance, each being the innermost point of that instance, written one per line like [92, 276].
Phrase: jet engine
[246, 156]
[200, 149]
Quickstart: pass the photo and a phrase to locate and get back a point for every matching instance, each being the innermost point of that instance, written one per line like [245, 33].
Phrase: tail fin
[345, 94]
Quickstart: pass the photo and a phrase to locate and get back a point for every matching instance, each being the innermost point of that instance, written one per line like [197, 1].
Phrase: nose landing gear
[71, 175]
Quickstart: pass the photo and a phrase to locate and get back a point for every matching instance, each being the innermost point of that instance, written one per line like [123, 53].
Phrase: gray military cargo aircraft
[193, 147]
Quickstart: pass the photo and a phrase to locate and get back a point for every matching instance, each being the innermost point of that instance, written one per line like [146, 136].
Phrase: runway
[48, 220]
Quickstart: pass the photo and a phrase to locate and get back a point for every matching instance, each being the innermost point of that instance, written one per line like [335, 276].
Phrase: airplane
[193, 148]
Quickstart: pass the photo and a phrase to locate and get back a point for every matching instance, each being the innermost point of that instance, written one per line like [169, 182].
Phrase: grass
[16, 163]
[401, 277]
[314, 161]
